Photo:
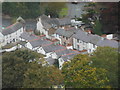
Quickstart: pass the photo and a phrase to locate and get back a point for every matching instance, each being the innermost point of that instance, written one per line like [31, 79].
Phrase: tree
[79, 74]
[97, 27]
[15, 65]
[106, 13]
[23, 9]
[107, 58]
[55, 9]
[38, 76]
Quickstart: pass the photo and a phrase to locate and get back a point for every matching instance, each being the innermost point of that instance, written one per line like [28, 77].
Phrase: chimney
[49, 16]
[63, 27]
[76, 27]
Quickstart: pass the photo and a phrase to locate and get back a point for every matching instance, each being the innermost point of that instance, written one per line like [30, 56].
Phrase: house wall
[41, 50]
[40, 27]
[13, 37]
[54, 55]
[58, 37]
[110, 36]
[91, 47]
[65, 40]
[79, 44]
[1, 39]
[61, 61]
[29, 46]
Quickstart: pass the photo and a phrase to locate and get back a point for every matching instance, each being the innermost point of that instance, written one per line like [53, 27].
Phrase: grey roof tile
[68, 57]
[52, 47]
[65, 52]
[11, 29]
[64, 21]
[40, 42]
[66, 33]
[49, 21]
[50, 61]
[82, 36]
[110, 43]
[94, 39]
[27, 36]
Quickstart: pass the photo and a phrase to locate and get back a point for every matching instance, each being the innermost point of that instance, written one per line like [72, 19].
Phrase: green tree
[97, 27]
[38, 76]
[107, 58]
[53, 8]
[79, 74]
[14, 66]
[23, 9]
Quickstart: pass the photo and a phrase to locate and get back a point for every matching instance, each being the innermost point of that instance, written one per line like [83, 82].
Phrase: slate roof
[27, 36]
[82, 36]
[49, 21]
[50, 61]
[94, 39]
[110, 43]
[64, 21]
[66, 33]
[46, 25]
[52, 48]
[65, 52]
[11, 29]
[68, 57]
[39, 42]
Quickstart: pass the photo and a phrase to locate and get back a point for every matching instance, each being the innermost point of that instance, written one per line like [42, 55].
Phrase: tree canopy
[107, 58]
[30, 10]
[24, 9]
[38, 76]
[55, 9]
[79, 74]
[106, 13]
[14, 65]
[18, 72]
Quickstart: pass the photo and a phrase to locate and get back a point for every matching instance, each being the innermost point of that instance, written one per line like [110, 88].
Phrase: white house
[45, 23]
[36, 44]
[83, 41]
[12, 33]
[65, 58]
[65, 36]
[50, 49]
[59, 53]
[25, 36]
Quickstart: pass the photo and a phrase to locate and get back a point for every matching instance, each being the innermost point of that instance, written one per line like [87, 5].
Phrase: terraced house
[12, 33]
[66, 36]
[83, 41]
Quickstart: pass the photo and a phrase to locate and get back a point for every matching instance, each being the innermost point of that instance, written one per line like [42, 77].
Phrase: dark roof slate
[66, 33]
[39, 42]
[13, 28]
[52, 48]
[27, 36]
[110, 43]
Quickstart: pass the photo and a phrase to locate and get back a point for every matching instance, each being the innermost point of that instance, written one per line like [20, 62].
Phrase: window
[64, 43]
[78, 47]
[93, 45]
[78, 40]
[66, 38]
[89, 50]
[83, 48]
